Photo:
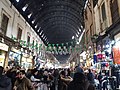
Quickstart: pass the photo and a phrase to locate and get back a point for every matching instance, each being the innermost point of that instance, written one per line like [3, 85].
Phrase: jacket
[80, 86]
[24, 84]
[5, 83]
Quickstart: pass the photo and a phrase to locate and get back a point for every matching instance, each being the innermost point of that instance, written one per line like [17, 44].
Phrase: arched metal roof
[53, 16]
[58, 20]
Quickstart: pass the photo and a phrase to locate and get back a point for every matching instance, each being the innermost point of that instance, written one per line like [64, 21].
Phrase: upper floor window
[4, 24]
[114, 10]
[28, 38]
[104, 23]
[33, 44]
[19, 33]
[36, 44]
[103, 12]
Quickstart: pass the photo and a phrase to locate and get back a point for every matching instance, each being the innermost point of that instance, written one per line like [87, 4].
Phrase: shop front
[115, 69]
[27, 61]
[114, 33]
[116, 49]
[14, 57]
[102, 58]
[3, 54]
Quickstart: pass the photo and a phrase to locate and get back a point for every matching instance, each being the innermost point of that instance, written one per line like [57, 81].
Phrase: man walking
[23, 83]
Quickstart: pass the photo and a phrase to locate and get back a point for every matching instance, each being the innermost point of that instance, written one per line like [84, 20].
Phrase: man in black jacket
[80, 83]
[5, 82]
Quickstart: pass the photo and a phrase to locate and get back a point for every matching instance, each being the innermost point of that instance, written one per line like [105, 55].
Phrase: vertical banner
[116, 55]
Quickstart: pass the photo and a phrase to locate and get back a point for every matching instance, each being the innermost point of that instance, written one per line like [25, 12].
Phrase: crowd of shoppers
[16, 78]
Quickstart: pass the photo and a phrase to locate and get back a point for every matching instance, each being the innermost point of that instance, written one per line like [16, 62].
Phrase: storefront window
[14, 59]
[26, 61]
[19, 33]
[114, 10]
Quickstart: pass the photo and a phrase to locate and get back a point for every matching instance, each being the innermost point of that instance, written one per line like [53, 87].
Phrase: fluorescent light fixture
[41, 32]
[36, 26]
[25, 7]
[38, 30]
[17, 0]
[79, 29]
[73, 37]
[76, 35]
[33, 21]
[78, 32]
[81, 26]
[29, 15]
[42, 35]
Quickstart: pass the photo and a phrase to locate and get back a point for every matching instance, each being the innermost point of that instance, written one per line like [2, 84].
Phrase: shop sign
[15, 50]
[4, 47]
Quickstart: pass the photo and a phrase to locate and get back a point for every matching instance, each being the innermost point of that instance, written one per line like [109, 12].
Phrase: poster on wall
[14, 59]
[116, 55]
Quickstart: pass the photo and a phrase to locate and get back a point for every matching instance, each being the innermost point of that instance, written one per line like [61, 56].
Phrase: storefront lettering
[3, 47]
